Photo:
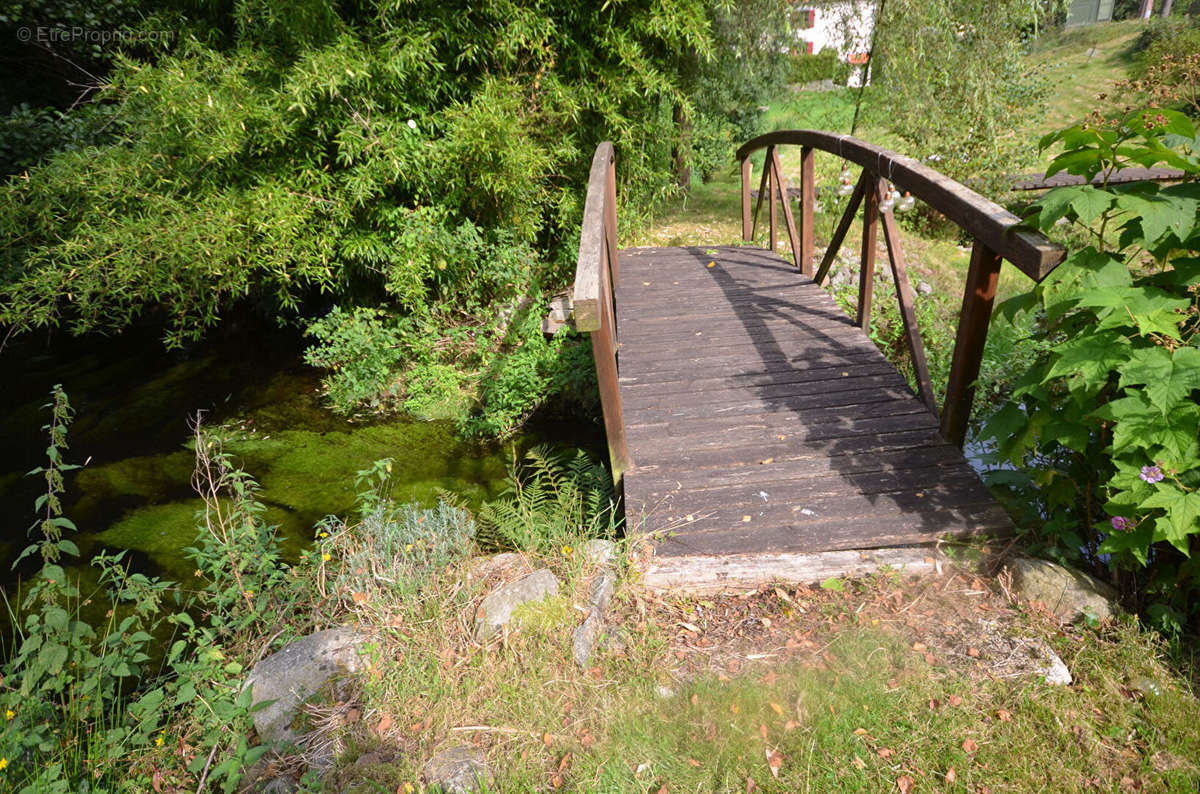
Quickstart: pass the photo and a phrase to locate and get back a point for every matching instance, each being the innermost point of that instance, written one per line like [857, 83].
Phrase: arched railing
[997, 236]
[596, 274]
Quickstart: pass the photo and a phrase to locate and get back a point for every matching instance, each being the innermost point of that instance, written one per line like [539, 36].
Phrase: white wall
[844, 26]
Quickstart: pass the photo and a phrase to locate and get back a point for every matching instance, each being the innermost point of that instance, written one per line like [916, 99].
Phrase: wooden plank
[747, 221]
[726, 573]
[586, 301]
[806, 371]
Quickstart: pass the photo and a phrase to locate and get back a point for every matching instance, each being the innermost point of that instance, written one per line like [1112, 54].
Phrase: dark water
[134, 402]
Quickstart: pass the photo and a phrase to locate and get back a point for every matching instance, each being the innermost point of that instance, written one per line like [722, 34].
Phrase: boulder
[497, 608]
[458, 770]
[600, 552]
[1068, 594]
[291, 675]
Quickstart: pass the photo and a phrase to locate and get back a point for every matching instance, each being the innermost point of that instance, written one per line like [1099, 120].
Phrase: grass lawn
[891, 683]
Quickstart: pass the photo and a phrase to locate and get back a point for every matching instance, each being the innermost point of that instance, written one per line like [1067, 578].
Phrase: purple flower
[1151, 474]
[1121, 524]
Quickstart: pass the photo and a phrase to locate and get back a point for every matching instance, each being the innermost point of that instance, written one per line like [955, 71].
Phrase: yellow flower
[567, 550]
[326, 557]
[3, 763]
[408, 547]
[322, 534]
[158, 742]
[248, 593]
[9, 714]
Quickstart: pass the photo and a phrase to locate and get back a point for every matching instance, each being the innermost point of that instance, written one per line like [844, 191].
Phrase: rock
[600, 552]
[1055, 670]
[294, 673]
[497, 609]
[924, 288]
[1145, 686]
[458, 770]
[279, 785]
[586, 635]
[1068, 594]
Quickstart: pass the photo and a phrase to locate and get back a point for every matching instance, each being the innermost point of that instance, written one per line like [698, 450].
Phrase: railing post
[807, 197]
[747, 220]
[866, 274]
[980, 293]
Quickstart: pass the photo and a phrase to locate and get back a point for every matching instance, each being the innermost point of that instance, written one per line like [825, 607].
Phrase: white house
[843, 25]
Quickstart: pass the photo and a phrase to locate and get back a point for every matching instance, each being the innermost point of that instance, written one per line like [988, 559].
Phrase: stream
[134, 402]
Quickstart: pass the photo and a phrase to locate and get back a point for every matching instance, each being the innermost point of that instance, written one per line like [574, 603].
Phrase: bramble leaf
[1182, 515]
[1169, 376]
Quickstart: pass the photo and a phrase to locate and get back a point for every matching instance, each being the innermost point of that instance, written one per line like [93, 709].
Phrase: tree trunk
[1166, 9]
[682, 150]
[1147, 9]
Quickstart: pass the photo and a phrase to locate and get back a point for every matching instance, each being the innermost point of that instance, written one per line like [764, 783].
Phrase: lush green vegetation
[405, 178]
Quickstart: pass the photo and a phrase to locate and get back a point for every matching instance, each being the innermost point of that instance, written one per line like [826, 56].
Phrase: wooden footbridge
[755, 429]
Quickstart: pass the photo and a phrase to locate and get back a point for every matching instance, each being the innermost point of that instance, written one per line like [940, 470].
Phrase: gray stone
[294, 673]
[497, 609]
[600, 552]
[279, 785]
[458, 770]
[1068, 594]
[588, 633]
[924, 288]
[1055, 669]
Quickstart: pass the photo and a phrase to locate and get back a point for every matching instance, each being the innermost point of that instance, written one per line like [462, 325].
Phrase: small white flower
[412, 124]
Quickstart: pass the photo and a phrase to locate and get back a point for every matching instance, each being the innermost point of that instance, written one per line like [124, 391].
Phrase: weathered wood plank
[725, 367]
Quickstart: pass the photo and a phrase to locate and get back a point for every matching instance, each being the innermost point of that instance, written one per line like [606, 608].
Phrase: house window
[808, 18]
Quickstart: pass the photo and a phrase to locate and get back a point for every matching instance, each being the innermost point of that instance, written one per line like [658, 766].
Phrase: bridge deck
[760, 419]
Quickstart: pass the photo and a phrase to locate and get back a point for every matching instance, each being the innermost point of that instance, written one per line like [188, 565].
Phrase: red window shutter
[809, 48]
[812, 18]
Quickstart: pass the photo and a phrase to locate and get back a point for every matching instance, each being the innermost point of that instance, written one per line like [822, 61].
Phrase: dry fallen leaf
[711, 264]
[547, 739]
[385, 722]
[762, 731]
[955, 700]
[860, 732]
[765, 461]
[694, 762]
[1003, 716]
[745, 519]
[905, 783]
[951, 775]
[774, 761]
[970, 746]
[918, 646]
[886, 752]
[973, 653]
[859, 763]
[790, 725]
[733, 708]
[778, 709]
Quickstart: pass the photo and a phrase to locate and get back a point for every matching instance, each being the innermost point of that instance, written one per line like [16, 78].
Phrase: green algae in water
[304, 476]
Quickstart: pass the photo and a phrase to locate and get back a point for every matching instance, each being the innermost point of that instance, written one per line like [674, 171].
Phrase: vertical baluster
[866, 273]
[747, 220]
[807, 197]
[772, 182]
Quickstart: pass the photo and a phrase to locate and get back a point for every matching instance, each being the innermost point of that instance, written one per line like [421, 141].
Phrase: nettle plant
[1102, 429]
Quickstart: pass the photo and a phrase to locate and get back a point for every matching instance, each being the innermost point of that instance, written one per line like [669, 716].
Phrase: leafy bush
[1102, 429]
[360, 348]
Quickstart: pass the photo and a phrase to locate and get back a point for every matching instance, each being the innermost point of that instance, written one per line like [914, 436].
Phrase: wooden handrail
[596, 275]
[998, 235]
[1031, 252]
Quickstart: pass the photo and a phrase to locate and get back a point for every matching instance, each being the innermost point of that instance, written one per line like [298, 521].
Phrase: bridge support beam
[980, 293]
